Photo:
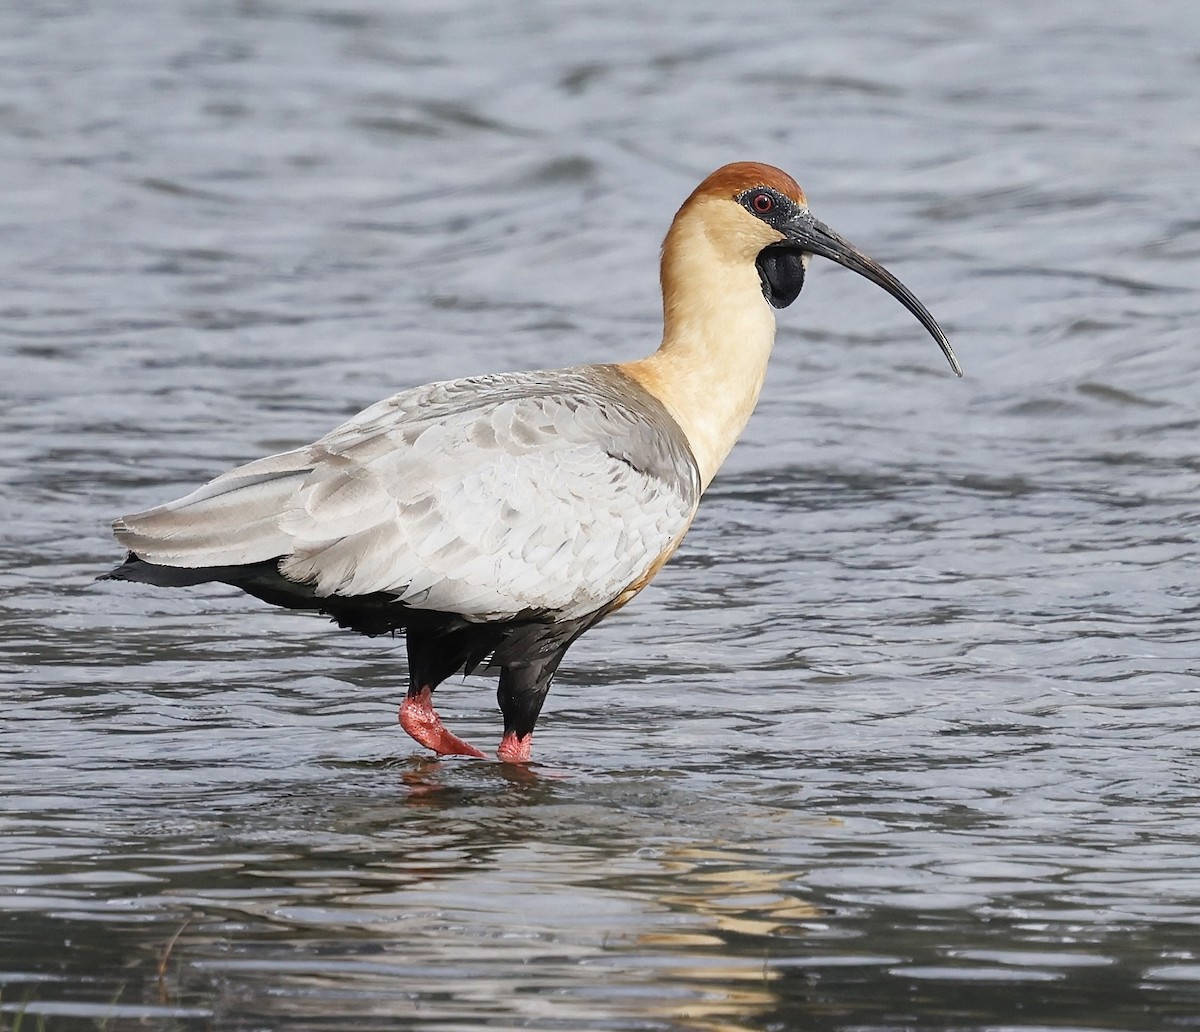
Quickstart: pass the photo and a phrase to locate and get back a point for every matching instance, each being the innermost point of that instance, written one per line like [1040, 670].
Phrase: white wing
[487, 497]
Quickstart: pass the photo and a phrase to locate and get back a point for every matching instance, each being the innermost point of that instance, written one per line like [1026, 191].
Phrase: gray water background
[907, 735]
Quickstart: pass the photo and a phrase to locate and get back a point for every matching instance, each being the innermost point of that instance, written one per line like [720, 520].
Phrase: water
[906, 737]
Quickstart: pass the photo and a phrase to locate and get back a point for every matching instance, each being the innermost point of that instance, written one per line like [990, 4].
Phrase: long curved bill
[814, 236]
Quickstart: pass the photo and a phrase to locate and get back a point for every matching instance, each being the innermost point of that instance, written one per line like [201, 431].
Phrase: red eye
[762, 202]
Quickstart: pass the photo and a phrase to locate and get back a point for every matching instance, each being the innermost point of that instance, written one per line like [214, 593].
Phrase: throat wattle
[781, 270]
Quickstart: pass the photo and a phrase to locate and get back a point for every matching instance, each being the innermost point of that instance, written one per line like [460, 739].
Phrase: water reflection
[491, 887]
[444, 891]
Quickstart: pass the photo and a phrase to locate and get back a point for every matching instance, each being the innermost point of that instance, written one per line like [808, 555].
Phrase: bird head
[755, 212]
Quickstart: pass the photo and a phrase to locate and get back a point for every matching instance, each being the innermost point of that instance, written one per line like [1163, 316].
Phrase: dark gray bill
[817, 238]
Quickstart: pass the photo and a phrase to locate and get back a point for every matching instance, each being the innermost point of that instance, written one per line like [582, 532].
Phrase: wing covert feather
[493, 497]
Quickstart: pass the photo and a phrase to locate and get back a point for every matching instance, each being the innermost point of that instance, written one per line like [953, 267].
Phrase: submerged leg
[528, 659]
[514, 749]
[522, 691]
[420, 720]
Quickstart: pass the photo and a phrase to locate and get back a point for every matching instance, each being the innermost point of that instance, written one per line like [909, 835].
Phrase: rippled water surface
[907, 736]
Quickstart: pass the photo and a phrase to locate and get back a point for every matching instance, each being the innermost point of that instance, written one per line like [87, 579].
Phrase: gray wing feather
[229, 521]
[487, 497]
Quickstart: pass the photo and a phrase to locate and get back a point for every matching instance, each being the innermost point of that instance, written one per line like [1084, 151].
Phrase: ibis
[495, 519]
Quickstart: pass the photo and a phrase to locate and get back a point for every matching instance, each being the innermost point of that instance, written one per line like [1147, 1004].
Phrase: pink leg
[515, 750]
[420, 720]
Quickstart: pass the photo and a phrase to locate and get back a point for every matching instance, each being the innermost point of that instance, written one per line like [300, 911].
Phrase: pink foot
[420, 720]
[515, 750]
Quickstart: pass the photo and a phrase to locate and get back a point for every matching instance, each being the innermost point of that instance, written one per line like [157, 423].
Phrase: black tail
[142, 572]
[374, 614]
[262, 580]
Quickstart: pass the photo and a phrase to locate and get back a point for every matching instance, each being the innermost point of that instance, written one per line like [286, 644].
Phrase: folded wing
[490, 498]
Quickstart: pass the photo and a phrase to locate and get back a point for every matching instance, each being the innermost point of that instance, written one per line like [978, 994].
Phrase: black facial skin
[781, 269]
[780, 266]
[769, 205]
